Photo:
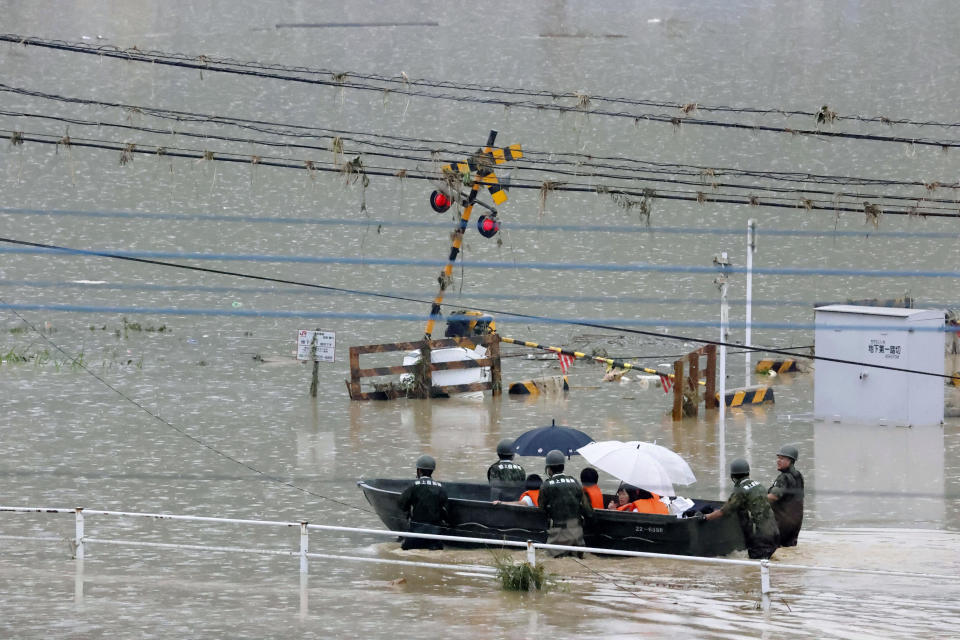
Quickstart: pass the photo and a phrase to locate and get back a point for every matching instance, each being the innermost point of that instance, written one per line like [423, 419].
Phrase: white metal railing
[80, 540]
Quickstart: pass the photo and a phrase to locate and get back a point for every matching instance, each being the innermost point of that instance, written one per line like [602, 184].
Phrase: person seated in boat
[631, 498]
[530, 497]
[424, 503]
[506, 477]
[588, 479]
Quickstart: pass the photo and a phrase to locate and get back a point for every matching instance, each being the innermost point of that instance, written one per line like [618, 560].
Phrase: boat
[472, 514]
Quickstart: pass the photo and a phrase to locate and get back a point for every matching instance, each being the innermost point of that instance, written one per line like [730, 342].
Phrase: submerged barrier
[80, 541]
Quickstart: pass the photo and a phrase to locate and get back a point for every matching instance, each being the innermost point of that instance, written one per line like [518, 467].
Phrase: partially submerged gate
[420, 385]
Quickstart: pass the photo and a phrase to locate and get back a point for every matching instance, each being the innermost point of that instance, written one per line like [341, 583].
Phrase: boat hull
[473, 515]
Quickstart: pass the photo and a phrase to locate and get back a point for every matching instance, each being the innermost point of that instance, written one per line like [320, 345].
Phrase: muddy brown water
[204, 417]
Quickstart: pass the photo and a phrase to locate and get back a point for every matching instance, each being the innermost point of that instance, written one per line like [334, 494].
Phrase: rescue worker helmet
[427, 463]
[555, 457]
[739, 467]
[789, 451]
[505, 447]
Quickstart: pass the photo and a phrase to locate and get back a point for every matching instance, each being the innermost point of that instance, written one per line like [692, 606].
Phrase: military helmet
[505, 447]
[555, 457]
[739, 467]
[427, 463]
[789, 451]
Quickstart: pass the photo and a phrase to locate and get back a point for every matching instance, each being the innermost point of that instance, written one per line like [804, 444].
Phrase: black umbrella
[542, 440]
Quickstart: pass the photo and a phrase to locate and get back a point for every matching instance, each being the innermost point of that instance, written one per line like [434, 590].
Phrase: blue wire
[299, 291]
[504, 225]
[554, 266]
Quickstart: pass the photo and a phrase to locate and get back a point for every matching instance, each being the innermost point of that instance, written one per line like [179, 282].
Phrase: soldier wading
[565, 504]
[424, 503]
[507, 478]
[786, 496]
[749, 502]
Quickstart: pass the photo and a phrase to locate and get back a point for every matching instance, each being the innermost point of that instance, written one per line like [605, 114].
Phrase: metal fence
[80, 541]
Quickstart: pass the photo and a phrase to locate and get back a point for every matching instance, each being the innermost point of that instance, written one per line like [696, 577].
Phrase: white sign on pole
[326, 345]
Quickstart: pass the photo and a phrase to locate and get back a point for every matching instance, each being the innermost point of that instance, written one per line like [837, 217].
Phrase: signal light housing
[488, 226]
[439, 202]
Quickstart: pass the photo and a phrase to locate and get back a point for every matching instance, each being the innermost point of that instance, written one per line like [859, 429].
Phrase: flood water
[189, 400]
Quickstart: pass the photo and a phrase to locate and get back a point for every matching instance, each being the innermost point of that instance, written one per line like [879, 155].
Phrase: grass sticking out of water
[521, 576]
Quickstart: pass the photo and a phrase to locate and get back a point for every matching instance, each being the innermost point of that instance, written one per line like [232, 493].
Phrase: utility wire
[707, 176]
[512, 226]
[128, 150]
[537, 297]
[344, 81]
[38, 248]
[77, 362]
[582, 323]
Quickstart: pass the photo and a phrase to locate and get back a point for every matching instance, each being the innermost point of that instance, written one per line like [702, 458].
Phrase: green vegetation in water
[136, 326]
[521, 576]
[44, 358]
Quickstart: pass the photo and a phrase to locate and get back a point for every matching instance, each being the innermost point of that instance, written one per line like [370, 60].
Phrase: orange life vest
[596, 496]
[534, 494]
[647, 505]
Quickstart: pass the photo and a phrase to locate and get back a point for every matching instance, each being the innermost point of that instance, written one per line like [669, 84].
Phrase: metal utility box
[901, 338]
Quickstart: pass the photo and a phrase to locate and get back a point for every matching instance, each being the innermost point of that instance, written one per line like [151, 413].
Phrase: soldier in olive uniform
[749, 502]
[507, 478]
[786, 496]
[566, 505]
[424, 503]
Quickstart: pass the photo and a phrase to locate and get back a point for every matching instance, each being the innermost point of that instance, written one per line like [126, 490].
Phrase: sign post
[318, 345]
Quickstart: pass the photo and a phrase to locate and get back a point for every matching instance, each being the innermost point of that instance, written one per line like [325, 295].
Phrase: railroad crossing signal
[475, 172]
[480, 165]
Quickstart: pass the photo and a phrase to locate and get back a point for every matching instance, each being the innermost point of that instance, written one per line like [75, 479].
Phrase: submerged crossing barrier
[549, 384]
[748, 396]
[777, 366]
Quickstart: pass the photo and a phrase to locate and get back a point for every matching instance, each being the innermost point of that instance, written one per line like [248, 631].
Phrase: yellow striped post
[748, 396]
[479, 165]
[777, 366]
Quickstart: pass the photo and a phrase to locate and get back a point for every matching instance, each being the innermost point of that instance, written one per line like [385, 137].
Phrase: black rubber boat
[473, 515]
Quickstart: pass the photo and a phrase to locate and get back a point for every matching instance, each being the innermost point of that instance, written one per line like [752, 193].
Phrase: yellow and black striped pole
[477, 170]
[447, 274]
[618, 364]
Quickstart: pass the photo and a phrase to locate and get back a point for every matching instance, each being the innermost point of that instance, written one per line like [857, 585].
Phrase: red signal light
[488, 227]
[439, 202]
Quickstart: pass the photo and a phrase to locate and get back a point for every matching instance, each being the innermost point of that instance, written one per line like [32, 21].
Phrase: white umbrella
[642, 464]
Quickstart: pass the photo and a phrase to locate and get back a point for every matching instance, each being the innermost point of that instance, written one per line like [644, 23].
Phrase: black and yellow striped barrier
[534, 387]
[748, 396]
[617, 364]
[479, 165]
[777, 366]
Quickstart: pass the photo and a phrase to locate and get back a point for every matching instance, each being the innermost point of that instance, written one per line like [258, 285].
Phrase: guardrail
[80, 540]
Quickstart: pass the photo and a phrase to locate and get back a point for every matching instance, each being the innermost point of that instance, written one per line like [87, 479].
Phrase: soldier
[749, 502]
[786, 496]
[565, 504]
[424, 503]
[506, 477]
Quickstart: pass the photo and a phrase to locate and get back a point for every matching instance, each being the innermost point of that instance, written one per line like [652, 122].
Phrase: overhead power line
[419, 295]
[40, 249]
[708, 179]
[129, 150]
[513, 226]
[514, 314]
[346, 80]
[629, 174]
